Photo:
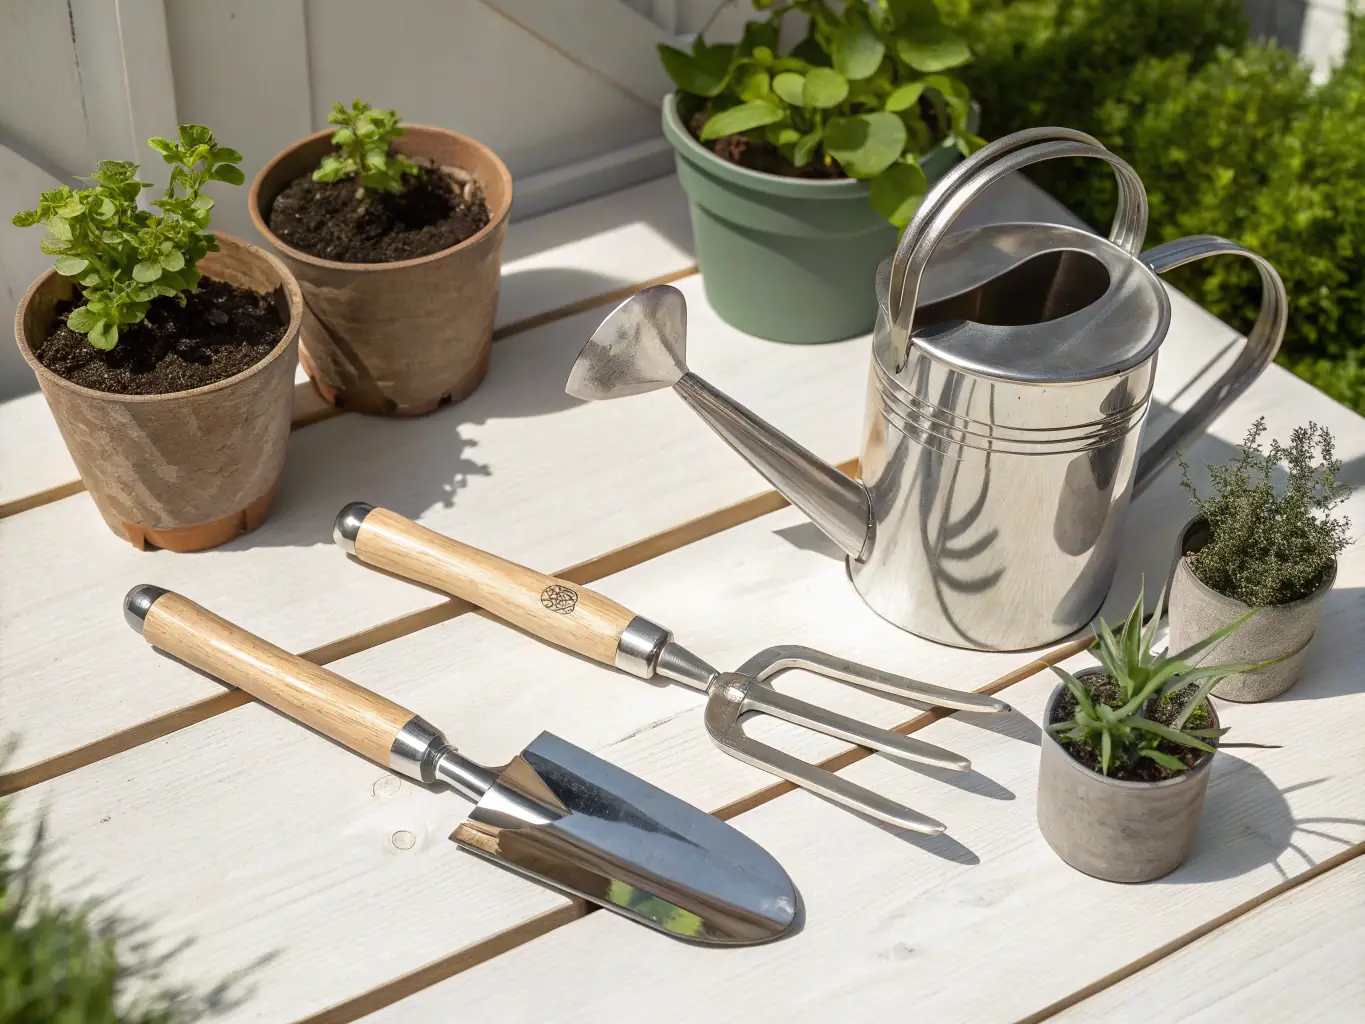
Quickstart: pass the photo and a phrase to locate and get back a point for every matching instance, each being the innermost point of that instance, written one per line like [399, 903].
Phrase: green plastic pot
[787, 259]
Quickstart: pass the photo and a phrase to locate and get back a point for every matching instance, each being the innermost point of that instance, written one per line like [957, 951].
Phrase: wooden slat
[1297, 955]
[554, 265]
[896, 920]
[303, 831]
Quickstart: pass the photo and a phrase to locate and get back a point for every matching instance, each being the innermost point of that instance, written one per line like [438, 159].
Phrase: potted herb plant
[1126, 752]
[1249, 547]
[166, 353]
[801, 166]
[396, 237]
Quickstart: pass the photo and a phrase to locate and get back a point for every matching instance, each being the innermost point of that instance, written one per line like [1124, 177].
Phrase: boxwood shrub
[1230, 136]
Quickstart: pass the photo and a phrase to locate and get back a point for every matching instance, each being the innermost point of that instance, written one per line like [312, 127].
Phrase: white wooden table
[321, 887]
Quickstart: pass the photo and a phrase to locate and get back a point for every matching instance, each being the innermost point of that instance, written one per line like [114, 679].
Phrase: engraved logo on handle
[560, 599]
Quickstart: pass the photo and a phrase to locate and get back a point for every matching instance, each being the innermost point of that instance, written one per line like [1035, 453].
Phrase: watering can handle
[1263, 341]
[956, 190]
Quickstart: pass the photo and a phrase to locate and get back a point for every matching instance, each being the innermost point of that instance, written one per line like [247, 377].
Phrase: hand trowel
[555, 813]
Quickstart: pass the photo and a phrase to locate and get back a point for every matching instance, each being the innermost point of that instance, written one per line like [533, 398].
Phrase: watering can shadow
[1009, 381]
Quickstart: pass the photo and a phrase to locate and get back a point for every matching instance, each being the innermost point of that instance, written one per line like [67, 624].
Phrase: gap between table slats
[582, 573]
[310, 408]
[1193, 935]
[481, 952]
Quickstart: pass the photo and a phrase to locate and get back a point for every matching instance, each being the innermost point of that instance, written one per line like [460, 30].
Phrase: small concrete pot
[191, 469]
[1111, 829]
[401, 338]
[1196, 610]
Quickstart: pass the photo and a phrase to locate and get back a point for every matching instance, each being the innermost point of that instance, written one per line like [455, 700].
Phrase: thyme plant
[124, 256]
[853, 94]
[362, 140]
[1157, 699]
[1267, 548]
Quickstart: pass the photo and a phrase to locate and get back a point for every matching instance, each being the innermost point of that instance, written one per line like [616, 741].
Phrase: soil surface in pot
[219, 332]
[1106, 691]
[761, 156]
[328, 220]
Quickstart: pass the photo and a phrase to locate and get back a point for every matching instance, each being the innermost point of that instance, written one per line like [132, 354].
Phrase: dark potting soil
[760, 156]
[1106, 691]
[329, 220]
[219, 332]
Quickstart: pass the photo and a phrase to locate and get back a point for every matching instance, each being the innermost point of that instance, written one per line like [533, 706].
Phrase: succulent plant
[1159, 696]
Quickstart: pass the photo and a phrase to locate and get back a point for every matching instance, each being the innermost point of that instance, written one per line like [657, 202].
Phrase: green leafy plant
[1144, 706]
[362, 139]
[864, 92]
[63, 962]
[123, 256]
[1267, 548]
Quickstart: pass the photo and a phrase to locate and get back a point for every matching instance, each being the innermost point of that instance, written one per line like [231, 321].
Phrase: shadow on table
[413, 465]
[40, 923]
[1326, 673]
[942, 845]
[1248, 823]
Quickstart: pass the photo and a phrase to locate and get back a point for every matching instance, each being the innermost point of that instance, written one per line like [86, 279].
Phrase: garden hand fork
[597, 627]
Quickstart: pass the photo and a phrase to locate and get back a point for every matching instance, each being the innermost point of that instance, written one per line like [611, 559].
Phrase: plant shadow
[412, 465]
[1248, 823]
[141, 981]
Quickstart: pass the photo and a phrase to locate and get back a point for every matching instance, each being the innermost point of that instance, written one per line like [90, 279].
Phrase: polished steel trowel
[555, 813]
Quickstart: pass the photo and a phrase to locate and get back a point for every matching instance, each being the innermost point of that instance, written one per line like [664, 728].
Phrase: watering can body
[1010, 377]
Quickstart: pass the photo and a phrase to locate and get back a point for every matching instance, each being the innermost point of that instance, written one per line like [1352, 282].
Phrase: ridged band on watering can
[1002, 435]
[784, 258]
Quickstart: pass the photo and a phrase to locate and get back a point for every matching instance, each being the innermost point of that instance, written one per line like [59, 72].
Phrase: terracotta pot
[1111, 829]
[397, 338]
[191, 469]
[1277, 631]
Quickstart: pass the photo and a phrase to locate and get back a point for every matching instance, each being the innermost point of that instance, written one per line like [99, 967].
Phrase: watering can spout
[642, 346]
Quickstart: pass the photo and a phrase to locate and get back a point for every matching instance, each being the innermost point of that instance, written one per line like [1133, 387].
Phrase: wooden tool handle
[308, 693]
[552, 609]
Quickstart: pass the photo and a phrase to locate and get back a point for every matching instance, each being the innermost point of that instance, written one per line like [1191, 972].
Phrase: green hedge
[1230, 137]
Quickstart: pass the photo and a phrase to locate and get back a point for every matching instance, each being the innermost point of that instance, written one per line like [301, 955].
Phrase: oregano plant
[864, 92]
[122, 255]
[362, 139]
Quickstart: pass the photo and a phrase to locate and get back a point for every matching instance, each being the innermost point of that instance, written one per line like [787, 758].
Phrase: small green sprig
[121, 255]
[1122, 736]
[362, 140]
[1267, 548]
[850, 93]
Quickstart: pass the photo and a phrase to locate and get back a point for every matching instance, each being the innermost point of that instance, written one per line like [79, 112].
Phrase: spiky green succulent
[1122, 736]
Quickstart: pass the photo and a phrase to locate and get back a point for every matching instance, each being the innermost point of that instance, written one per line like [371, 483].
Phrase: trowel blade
[565, 817]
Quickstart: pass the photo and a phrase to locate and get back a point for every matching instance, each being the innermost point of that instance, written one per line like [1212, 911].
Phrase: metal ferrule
[138, 603]
[421, 752]
[347, 526]
[639, 647]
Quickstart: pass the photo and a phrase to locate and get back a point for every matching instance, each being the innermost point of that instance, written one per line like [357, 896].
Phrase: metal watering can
[1010, 377]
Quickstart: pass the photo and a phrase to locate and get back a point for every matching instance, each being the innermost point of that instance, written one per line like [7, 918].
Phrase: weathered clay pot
[397, 338]
[191, 469]
[1196, 610]
[1116, 830]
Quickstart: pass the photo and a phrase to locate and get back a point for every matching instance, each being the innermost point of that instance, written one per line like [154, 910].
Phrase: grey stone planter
[1115, 830]
[1197, 610]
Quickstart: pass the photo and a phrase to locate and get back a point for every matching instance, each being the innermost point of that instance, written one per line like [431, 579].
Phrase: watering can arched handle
[956, 190]
[1263, 341]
